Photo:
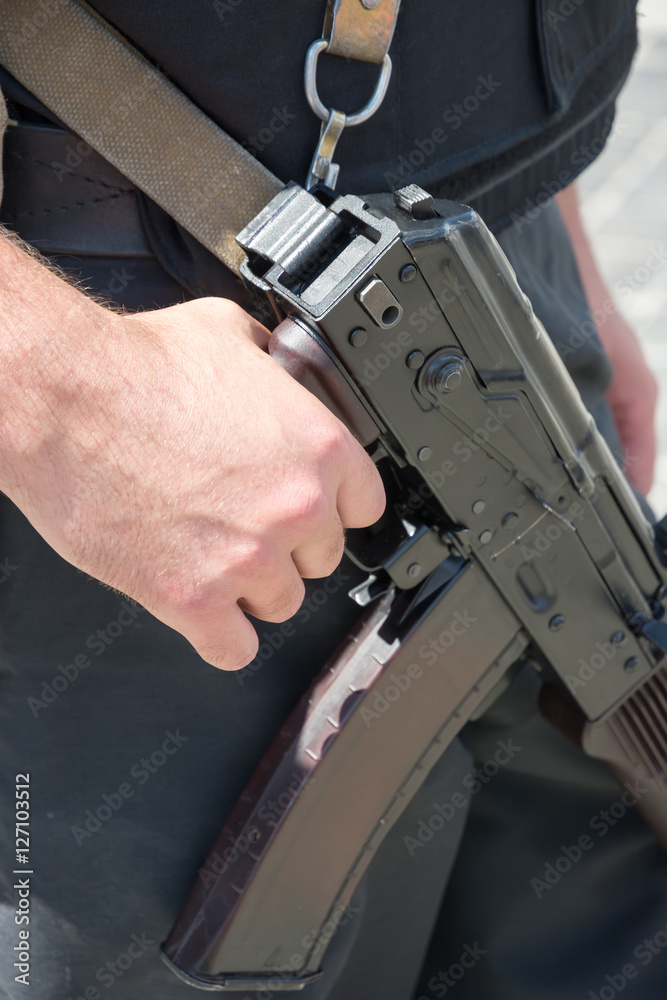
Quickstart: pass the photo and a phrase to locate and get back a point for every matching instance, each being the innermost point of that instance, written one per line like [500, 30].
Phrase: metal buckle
[322, 170]
[313, 98]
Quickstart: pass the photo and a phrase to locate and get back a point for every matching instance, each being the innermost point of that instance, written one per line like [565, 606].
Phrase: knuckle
[330, 439]
[339, 443]
[232, 310]
[256, 560]
[308, 507]
[178, 596]
[185, 598]
[215, 308]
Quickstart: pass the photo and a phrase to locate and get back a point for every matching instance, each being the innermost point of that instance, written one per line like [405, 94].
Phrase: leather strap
[110, 95]
[360, 29]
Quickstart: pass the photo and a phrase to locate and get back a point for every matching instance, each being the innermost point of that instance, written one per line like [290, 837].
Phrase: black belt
[62, 197]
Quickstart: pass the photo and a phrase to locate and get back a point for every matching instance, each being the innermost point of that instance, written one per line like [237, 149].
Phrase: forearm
[633, 392]
[593, 282]
[615, 333]
[48, 330]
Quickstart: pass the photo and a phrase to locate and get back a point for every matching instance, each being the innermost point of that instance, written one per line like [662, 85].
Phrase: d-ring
[310, 84]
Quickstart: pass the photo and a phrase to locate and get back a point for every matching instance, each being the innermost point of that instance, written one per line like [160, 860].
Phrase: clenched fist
[166, 454]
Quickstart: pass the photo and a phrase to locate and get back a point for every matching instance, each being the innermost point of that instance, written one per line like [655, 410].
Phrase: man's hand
[633, 394]
[169, 456]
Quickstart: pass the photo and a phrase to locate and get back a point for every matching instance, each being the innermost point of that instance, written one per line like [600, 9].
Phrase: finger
[361, 498]
[227, 641]
[320, 555]
[277, 597]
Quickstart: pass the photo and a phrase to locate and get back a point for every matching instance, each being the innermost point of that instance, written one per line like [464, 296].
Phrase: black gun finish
[509, 527]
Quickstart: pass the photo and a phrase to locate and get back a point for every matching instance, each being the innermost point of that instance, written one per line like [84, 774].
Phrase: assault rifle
[459, 541]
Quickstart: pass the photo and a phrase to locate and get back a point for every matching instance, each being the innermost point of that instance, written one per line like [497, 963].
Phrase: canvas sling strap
[109, 94]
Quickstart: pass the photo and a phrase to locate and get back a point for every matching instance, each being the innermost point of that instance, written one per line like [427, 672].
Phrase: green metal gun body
[510, 535]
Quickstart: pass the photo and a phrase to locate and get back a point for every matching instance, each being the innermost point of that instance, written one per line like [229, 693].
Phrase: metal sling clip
[322, 169]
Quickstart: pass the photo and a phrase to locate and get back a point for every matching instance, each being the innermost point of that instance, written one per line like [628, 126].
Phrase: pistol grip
[303, 354]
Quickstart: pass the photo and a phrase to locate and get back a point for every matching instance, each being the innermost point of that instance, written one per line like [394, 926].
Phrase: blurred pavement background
[624, 201]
